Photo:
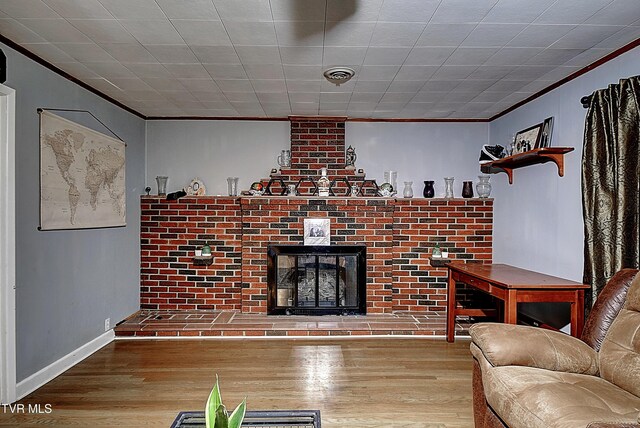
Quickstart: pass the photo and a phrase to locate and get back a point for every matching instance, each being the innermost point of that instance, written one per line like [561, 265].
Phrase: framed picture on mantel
[528, 139]
[545, 137]
[317, 231]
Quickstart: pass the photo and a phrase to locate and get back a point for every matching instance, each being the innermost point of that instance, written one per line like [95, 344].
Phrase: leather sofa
[528, 377]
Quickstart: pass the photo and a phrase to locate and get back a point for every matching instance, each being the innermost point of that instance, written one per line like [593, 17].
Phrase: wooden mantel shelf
[532, 157]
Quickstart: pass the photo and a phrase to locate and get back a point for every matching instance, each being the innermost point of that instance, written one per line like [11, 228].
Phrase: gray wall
[419, 151]
[68, 282]
[538, 220]
[214, 150]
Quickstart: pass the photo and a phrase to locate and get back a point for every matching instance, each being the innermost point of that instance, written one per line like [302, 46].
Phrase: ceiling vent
[339, 75]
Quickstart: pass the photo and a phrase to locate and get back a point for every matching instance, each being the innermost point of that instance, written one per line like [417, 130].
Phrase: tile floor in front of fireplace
[158, 323]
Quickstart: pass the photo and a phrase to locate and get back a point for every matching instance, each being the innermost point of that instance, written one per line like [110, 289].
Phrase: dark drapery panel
[610, 183]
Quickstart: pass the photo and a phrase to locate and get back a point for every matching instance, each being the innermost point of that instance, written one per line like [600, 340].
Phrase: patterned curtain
[610, 183]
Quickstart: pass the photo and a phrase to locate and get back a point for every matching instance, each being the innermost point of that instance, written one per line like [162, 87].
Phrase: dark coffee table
[258, 419]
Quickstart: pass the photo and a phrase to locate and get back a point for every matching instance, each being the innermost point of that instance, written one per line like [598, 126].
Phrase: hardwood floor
[381, 382]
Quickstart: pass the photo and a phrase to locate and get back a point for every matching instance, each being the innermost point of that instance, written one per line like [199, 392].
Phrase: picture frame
[545, 137]
[317, 231]
[528, 139]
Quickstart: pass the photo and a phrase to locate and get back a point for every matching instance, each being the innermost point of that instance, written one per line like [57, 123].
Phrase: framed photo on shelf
[528, 139]
[545, 137]
[317, 231]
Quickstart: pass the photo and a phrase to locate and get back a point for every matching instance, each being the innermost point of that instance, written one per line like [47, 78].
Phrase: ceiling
[264, 58]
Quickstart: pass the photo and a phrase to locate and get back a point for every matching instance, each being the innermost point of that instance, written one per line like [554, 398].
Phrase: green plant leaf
[222, 417]
[213, 402]
[236, 418]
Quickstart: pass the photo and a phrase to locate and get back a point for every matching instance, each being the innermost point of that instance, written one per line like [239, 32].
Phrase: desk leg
[451, 308]
[577, 313]
[511, 307]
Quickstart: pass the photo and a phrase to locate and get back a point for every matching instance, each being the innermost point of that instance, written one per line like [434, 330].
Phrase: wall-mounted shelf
[202, 260]
[439, 261]
[532, 157]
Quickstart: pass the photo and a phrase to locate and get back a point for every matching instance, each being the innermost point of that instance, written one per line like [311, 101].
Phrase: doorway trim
[7, 246]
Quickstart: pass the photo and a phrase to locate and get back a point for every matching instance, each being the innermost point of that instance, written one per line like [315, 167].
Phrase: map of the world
[82, 176]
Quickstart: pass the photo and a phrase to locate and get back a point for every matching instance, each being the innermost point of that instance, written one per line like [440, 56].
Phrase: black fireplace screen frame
[357, 251]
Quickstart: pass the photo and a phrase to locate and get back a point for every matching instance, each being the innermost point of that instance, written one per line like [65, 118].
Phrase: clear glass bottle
[448, 187]
[323, 184]
[483, 187]
[408, 191]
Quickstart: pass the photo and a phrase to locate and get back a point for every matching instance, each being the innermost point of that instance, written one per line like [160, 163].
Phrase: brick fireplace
[399, 235]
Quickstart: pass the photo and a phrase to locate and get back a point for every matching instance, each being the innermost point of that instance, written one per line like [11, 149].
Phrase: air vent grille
[339, 75]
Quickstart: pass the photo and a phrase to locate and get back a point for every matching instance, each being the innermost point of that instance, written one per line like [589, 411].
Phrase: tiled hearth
[236, 324]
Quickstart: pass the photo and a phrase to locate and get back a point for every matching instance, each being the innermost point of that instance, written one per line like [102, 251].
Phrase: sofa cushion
[518, 345]
[529, 397]
[619, 356]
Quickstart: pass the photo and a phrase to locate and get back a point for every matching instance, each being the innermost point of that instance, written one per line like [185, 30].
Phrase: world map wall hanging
[82, 176]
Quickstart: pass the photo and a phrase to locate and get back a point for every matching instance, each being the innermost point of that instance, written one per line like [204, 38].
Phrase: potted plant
[215, 412]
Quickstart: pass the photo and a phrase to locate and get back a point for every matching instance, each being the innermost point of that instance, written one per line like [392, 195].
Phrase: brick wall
[399, 235]
[462, 226]
[316, 143]
[170, 231]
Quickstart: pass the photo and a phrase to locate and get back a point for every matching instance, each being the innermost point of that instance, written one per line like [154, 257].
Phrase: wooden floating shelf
[532, 157]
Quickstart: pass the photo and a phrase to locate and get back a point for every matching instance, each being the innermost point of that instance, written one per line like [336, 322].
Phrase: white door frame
[7, 246]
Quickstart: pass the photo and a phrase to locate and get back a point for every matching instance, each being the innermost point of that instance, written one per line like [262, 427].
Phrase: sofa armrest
[517, 345]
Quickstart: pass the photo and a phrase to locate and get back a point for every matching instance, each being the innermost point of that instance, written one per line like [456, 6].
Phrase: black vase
[467, 189]
[428, 191]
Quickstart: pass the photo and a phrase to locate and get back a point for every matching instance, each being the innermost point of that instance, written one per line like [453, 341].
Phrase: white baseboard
[56, 368]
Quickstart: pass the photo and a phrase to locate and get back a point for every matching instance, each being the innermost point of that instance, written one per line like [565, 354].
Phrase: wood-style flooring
[368, 382]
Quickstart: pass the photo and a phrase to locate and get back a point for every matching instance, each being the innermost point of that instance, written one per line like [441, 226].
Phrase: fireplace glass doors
[318, 280]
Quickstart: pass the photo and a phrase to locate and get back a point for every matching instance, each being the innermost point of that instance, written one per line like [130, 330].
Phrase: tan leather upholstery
[535, 378]
[518, 345]
[528, 397]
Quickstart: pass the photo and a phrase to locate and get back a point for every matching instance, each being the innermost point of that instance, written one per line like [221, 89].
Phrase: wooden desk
[513, 285]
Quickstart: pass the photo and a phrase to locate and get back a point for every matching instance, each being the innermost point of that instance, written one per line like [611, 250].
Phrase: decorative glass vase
[391, 177]
[448, 187]
[467, 189]
[161, 180]
[483, 187]
[232, 186]
[429, 191]
[408, 191]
